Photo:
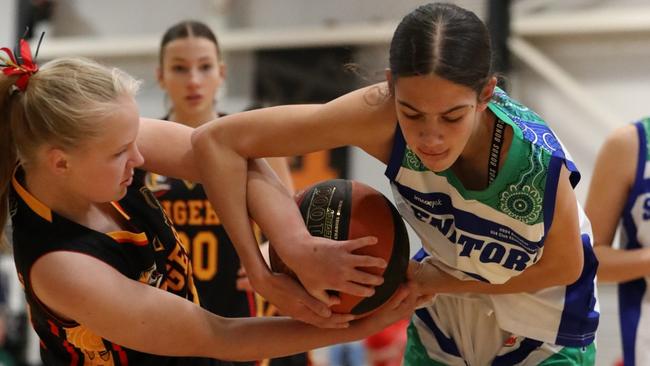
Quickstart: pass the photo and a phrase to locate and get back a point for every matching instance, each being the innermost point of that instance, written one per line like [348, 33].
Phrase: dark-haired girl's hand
[427, 280]
[322, 264]
[398, 307]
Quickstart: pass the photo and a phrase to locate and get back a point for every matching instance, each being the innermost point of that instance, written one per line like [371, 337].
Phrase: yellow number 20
[204, 253]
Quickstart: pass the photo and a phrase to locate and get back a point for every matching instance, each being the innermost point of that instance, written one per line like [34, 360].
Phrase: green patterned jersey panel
[509, 108]
[522, 198]
[412, 161]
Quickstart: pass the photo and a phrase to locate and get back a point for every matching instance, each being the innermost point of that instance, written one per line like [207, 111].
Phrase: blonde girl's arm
[167, 149]
[147, 319]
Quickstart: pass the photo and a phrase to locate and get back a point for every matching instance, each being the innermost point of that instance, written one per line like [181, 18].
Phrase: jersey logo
[155, 204]
[98, 358]
[510, 342]
[470, 246]
[157, 244]
[522, 203]
[158, 184]
[92, 345]
[189, 185]
[151, 276]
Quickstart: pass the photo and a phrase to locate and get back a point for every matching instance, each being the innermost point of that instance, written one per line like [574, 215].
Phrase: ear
[222, 70]
[389, 78]
[486, 93]
[57, 160]
[159, 77]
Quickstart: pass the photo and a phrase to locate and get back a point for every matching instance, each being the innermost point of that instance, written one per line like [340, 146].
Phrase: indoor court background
[581, 64]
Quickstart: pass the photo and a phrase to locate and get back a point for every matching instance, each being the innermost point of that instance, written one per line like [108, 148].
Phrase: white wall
[270, 14]
[7, 20]
[123, 17]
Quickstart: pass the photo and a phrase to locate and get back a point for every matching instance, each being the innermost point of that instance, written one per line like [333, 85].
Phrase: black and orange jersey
[214, 260]
[265, 308]
[150, 253]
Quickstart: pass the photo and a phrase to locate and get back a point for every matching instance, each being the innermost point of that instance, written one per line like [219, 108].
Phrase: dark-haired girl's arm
[225, 150]
[560, 265]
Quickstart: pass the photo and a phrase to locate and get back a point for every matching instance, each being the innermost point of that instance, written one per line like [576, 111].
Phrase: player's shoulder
[622, 141]
[626, 132]
[619, 156]
[366, 117]
[375, 99]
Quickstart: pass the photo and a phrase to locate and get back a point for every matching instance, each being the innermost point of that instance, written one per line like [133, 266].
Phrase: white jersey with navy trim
[634, 300]
[495, 234]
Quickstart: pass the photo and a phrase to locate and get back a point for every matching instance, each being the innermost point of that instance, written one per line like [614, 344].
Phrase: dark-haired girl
[483, 181]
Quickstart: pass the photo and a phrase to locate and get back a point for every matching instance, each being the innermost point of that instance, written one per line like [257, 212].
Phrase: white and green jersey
[497, 233]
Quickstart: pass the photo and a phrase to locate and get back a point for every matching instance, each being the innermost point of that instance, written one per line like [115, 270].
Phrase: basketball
[341, 209]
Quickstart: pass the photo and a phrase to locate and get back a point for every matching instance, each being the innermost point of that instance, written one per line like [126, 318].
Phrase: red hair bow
[23, 66]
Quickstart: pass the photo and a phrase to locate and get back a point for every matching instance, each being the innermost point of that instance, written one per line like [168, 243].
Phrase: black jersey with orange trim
[151, 254]
[214, 260]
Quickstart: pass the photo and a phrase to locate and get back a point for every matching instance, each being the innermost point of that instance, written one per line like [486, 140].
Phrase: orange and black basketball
[341, 209]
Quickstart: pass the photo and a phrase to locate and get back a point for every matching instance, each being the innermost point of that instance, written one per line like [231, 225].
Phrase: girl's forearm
[224, 175]
[616, 265]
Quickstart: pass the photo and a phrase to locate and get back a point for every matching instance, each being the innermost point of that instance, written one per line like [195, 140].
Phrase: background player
[191, 71]
[619, 193]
